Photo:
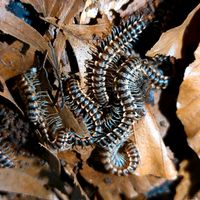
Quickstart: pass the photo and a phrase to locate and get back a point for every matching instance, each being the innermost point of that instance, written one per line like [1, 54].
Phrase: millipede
[81, 99]
[7, 158]
[41, 113]
[156, 77]
[113, 117]
[132, 105]
[28, 84]
[117, 80]
[122, 160]
[119, 42]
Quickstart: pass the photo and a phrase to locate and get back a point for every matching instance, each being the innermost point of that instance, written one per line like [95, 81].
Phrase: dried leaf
[71, 162]
[132, 7]
[189, 185]
[36, 167]
[65, 10]
[175, 41]
[92, 8]
[39, 5]
[6, 94]
[81, 52]
[188, 103]
[22, 183]
[83, 32]
[12, 61]
[109, 186]
[90, 11]
[150, 143]
[51, 159]
[62, 9]
[16, 27]
[59, 46]
[143, 184]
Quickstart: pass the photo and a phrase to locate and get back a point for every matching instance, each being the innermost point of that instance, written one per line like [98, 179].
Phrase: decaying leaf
[134, 6]
[62, 10]
[6, 94]
[13, 61]
[26, 184]
[109, 186]
[16, 27]
[71, 165]
[40, 6]
[90, 11]
[83, 32]
[189, 185]
[188, 103]
[175, 41]
[92, 8]
[150, 143]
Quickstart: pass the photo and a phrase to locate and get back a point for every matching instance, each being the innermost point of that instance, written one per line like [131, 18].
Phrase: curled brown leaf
[188, 187]
[175, 41]
[155, 159]
[188, 103]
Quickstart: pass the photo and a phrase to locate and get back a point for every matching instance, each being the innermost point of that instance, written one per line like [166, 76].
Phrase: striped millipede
[131, 99]
[112, 117]
[7, 157]
[38, 103]
[41, 113]
[132, 102]
[119, 42]
[156, 77]
[122, 160]
[130, 89]
[35, 106]
[81, 99]
[28, 84]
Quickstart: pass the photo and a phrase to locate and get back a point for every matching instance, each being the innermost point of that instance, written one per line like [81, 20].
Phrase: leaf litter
[13, 61]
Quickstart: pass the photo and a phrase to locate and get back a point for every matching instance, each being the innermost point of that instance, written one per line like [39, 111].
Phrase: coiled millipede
[123, 160]
[120, 42]
[132, 106]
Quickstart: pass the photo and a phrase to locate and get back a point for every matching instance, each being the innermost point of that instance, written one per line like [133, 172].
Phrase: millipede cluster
[117, 82]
